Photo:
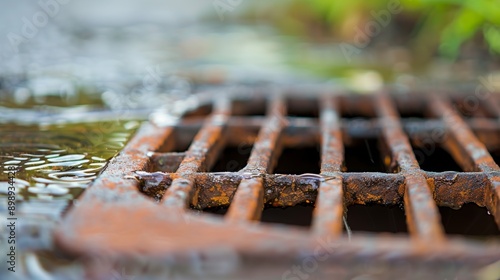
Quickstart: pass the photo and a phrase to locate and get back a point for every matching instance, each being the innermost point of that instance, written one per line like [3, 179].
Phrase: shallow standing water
[57, 162]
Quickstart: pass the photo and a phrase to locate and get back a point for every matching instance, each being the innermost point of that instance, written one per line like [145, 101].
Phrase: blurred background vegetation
[427, 27]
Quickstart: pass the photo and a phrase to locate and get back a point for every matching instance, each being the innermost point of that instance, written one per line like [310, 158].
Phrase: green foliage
[464, 20]
[450, 22]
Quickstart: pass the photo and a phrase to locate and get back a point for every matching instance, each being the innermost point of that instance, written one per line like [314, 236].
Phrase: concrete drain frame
[124, 220]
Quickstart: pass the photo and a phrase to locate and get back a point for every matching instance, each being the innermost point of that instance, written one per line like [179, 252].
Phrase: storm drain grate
[327, 156]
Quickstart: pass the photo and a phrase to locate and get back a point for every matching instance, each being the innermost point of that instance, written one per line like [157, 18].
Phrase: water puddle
[57, 162]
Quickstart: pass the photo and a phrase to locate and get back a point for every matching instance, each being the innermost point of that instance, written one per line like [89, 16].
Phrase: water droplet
[152, 178]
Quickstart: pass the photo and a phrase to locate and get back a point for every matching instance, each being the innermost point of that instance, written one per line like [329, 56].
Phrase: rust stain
[116, 215]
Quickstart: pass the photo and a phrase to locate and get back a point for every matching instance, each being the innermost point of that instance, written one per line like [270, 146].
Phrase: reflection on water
[56, 163]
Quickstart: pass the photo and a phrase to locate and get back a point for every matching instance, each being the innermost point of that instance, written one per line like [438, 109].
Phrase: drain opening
[376, 218]
[199, 112]
[472, 107]
[496, 156]
[298, 215]
[470, 220]
[413, 109]
[220, 211]
[233, 158]
[251, 107]
[183, 137]
[299, 160]
[357, 108]
[413, 113]
[435, 158]
[167, 162]
[363, 155]
[302, 107]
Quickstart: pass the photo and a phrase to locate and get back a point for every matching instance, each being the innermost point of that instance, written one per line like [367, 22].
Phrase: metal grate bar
[306, 130]
[110, 185]
[248, 201]
[129, 223]
[327, 216]
[421, 211]
[466, 143]
[199, 157]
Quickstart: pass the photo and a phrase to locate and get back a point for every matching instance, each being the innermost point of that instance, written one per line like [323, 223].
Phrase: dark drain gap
[363, 155]
[303, 107]
[496, 156]
[251, 107]
[413, 109]
[233, 158]
[199, 112]
[413, 114]
[435, 158]
[298, 215]
[357, 108]
[183, 137]
[220, 211]
[299, 160]
[472, 107]
[470, 220]
[376, 218]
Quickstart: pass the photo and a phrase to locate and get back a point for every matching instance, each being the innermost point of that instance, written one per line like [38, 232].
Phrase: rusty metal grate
[181, 170]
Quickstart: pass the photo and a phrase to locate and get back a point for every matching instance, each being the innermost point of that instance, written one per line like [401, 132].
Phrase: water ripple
[57, 162]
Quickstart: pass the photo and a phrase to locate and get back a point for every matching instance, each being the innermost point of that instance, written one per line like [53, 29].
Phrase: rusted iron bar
[248, 202]
[422, 215]
[462, 143]
[450, 189]
[114, 220]
[116, 182]
[304, 130]
[176, 241]
[329, 209]
[199, 157]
